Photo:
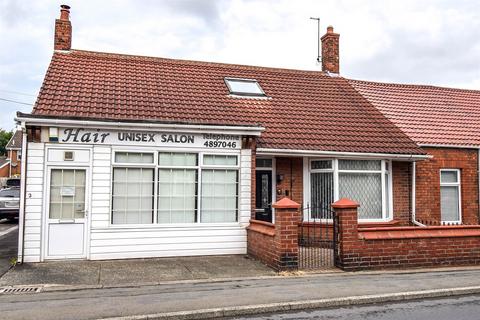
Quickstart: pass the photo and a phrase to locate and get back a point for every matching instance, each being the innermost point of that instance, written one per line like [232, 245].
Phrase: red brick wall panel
[292, 184]
[275, 245]
[401, 180]
[431, 247]
[428, 183]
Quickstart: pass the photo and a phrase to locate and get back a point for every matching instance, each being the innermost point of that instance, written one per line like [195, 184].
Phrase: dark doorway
[263, 195]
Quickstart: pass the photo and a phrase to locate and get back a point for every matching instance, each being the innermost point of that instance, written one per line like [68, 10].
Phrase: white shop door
[66, 216]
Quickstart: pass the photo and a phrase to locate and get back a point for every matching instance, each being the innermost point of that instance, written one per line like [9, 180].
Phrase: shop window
[191, 188]
[133, 157]
[450, 195]
[219, 195]
[133, 188]
[177, 188]
[132, 201]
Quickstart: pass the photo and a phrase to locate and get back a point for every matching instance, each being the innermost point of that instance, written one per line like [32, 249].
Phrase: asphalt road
[171, 297]
[8, 244]
[460, 308]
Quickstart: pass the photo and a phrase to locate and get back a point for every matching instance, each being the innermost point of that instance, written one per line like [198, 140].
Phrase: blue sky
[427, 42]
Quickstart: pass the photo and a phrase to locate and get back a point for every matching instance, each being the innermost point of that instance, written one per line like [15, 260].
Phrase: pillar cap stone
[286, 203]
[345, 203]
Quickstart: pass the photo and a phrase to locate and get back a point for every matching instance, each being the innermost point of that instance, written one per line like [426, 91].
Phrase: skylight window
[244, 87]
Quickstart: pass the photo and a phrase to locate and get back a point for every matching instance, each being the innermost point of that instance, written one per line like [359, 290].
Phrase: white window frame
[387, 213]
[220, 167]
[134, 165]
[457, 184]
[155, 165]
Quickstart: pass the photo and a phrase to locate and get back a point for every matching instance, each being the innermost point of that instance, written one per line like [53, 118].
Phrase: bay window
[183, 187]
[364, 181]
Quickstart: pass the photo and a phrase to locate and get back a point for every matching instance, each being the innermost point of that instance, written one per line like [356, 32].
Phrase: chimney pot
[64, 12]
[63, 30]
[331, 51]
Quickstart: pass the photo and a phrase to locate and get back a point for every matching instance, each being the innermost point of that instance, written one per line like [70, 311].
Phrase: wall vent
[68, 156]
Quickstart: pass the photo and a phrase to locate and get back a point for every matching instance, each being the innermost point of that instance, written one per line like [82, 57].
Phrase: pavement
[133, 271]
[205, 299]
[8, 244]
[458, 308]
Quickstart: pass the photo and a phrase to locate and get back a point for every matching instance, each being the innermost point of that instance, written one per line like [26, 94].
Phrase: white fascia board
[142, 126]
[336, 154]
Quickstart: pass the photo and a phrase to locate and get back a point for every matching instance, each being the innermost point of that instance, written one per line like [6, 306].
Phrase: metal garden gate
[317, 239]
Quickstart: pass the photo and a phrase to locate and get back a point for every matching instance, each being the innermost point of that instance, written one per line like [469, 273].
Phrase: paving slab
[8, 244]
[55, 272]
[134, 271]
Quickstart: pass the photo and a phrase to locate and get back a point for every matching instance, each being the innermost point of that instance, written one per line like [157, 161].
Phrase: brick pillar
[287, 216]
[346, 212]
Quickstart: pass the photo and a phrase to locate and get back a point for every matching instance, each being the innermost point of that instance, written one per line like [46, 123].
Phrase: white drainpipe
[414, 173]
[23, 178]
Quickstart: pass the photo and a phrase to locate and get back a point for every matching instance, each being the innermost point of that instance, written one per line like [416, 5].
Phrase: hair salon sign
[160, 139]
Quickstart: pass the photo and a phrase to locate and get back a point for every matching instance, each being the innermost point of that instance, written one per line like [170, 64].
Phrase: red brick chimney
[330, 51]
[63, 30]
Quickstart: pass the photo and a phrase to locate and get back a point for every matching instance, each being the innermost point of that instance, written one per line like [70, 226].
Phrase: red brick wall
[5, 171]
[12, 154]
[276, 244]
[428, 183]
[404, 247]
[292, 184]
[401, 180]
[260, 242]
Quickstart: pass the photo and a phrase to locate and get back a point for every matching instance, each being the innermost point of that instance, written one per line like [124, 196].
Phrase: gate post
[287, 217]
[346, 212]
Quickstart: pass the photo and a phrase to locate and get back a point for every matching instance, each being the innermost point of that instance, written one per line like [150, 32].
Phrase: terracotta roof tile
[304, 109]
[429, 115]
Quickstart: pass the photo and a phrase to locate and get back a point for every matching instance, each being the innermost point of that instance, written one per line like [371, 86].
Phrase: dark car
[9, 203]
[13, 183]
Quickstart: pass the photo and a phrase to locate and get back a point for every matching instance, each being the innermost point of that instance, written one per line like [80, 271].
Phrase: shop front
[110, 193]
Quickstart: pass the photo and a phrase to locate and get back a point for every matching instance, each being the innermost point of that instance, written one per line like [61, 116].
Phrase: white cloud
[432, 41]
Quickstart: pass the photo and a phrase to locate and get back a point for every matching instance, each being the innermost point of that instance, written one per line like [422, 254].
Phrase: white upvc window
[177, 187]
[180, 187]
[219, 188]
[133, 188]
[367, 182]
[450, 196]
